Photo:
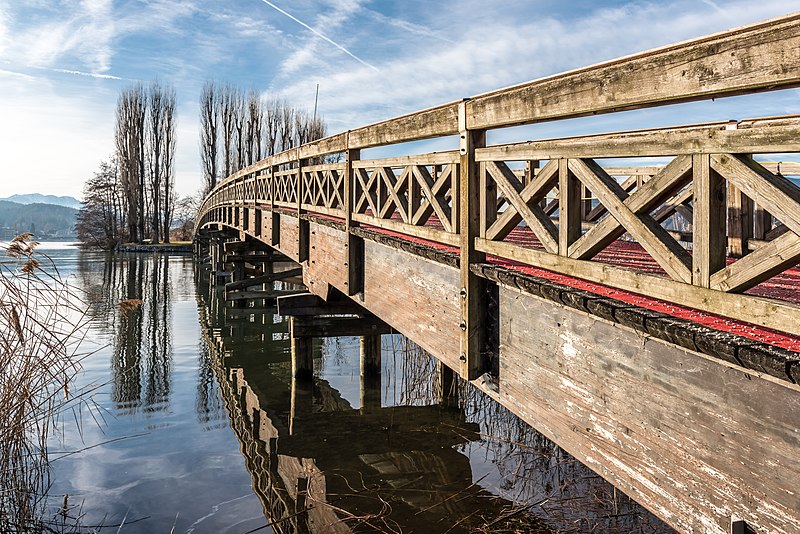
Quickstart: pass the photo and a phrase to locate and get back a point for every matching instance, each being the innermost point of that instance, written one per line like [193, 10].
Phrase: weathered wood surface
[417, 297]
[289, 236]
[327, 260]
[693, 439]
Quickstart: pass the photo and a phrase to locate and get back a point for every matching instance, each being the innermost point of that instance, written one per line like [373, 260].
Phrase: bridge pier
[370, 362]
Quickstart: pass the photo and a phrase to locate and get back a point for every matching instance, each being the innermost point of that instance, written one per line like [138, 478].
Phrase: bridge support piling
[302, 354]
[370, 364]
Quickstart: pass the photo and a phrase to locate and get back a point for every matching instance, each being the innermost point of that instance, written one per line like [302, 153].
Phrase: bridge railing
[552, 204]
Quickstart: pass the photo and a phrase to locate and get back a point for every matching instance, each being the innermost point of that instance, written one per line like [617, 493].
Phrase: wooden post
[570, 207]
[709, 239]
[274, 237]
[302, 354]
[354, 247]
[304, 228]
[370, 360]
[740, 221]
[473, 287]
[586, 202]
[487, 190]
[762, 222]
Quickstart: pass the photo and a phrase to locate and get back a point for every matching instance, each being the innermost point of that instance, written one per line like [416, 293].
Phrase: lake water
[193, 425]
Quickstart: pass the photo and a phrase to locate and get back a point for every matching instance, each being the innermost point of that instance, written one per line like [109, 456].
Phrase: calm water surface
[193, 425]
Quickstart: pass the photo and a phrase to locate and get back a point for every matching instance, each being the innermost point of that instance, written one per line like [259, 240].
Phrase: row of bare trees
[145, 141]
[132, 196]
[239, 128]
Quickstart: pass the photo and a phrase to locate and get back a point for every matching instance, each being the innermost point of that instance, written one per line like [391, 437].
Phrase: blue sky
[63, 63]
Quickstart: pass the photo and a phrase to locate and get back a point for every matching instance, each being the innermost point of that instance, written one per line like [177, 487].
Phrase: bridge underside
[700, 426]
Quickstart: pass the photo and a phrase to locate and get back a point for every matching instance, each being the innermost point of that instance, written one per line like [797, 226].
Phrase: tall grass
[41, 320]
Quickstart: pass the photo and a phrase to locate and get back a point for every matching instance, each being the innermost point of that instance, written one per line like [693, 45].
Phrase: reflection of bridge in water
[320, 465]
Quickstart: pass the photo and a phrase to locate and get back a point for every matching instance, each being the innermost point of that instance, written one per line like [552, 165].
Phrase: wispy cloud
[321, 35]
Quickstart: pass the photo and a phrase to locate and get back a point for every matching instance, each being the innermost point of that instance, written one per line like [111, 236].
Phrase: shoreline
[143, 247]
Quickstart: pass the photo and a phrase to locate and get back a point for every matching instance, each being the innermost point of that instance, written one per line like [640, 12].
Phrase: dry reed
[41, 320]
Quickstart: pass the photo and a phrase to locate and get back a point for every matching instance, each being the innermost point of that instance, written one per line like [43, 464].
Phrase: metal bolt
[463, 325]
[463, 292]
[463, 357]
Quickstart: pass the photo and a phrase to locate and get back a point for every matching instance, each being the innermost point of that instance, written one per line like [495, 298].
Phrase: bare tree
[99, 221]
[255, 124]
[239, 118]
[272, 116]
[227, 115]
[129, 137]
[156, 148]
[168, 163]
[209, 133]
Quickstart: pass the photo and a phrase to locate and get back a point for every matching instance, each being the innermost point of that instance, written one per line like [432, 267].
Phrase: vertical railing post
[709, 235]
[354, 247]
[303, 230]
[740, 221]
[473, 288]
[274, 225]
[570, 207]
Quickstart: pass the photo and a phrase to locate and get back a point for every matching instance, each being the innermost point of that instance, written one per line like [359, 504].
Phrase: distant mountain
[36, 198]
[45, 221]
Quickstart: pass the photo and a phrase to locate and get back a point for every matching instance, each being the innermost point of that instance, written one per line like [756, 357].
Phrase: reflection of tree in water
[130, 300]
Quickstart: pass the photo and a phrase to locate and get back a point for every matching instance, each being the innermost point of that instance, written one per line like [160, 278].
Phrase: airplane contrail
[90, 74]
[320, 35]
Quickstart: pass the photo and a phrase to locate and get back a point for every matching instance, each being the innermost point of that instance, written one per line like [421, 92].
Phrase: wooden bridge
[645, 317]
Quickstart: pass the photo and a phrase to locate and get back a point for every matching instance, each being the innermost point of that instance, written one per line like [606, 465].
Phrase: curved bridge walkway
[644, 316]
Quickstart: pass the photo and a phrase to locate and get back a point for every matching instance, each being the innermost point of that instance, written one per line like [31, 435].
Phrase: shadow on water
[400, 457]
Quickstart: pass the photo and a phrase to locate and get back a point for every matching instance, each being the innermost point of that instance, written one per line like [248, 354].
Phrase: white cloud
[78, 32]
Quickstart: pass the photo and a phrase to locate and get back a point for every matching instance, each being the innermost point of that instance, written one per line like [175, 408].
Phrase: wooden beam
[434, 122]
[760, 57]
[309, 305]
[310, 327]
[709, 238]
[569, 207]
[669, 180]
[354, 247]
[302, 353]
[749, 136]
[654, 239]
[259, 295]
[766, 261]
[264, 279]
[773, 192]
[473, 288]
